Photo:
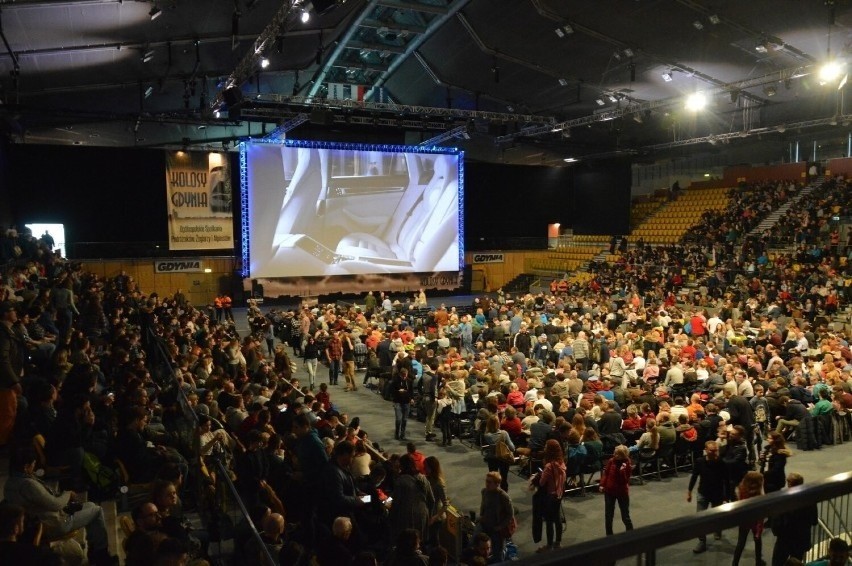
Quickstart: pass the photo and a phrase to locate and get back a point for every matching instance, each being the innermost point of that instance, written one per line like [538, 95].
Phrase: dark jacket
[337, 496]
[795, 411]
[710, 476]
[11, 357]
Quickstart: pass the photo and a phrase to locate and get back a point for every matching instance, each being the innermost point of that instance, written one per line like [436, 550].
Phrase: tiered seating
[674, 219]
[565, 259]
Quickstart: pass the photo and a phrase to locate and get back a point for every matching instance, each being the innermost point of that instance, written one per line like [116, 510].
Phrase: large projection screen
[320, 209]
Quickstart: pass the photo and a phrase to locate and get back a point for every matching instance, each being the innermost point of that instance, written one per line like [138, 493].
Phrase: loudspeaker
[322, 117]
[232, 95]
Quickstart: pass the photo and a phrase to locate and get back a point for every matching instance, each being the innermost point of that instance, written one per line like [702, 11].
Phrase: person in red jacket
[615, 484]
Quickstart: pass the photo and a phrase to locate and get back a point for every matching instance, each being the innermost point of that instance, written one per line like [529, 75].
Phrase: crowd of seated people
[810, 221]
[626, 359]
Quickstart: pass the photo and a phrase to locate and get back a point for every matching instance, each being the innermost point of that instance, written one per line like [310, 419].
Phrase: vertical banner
[200, 204]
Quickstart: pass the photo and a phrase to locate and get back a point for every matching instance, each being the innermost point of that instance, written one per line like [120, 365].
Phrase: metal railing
[644, 545]
[161, 366]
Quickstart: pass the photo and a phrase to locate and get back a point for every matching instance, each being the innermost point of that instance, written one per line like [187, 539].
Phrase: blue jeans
[400, 413]
[333, 371]
[90, 517]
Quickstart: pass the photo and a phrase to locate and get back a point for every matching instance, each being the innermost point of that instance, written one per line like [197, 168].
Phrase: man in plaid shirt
[334, 354]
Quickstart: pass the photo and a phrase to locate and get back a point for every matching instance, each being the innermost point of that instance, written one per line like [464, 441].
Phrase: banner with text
[198, 186]
[488, 258]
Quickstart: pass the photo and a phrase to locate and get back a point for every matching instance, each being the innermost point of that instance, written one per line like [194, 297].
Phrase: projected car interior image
[338, 211]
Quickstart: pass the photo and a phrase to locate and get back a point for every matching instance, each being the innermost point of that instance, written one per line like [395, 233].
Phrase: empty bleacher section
[673, 220]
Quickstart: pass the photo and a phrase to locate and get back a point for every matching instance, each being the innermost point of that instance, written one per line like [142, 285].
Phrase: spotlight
[155, 13]
[617, 55]
[830, 72]
[612, 98]
[696, 101]
[149, 91]
[567, 29]
[264, 62]
[217, 114]
[714, 19]
[761, 48]
[305, 16]
[570, 160]
[628, 52]
[667, 77]
[559, 33]
[147, 56]
[600, 101]
[563, 82]
[770, 90]
[698, 25]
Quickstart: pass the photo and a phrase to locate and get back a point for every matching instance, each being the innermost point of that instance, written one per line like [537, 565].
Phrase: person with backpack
[760, 410]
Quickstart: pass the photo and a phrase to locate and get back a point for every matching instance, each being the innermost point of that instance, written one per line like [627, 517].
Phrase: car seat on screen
[419, 233]
[302, 194]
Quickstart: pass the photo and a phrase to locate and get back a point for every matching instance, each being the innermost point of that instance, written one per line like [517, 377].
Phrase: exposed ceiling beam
[629, 109]
[621, 45]
[319, 78]
[511, 58]
[156, 44]
[756, 34]
[415, 43]
[414, 7]
[443, 82]
[393, 26]
[377, 47]
[361, 66]
[12, 4]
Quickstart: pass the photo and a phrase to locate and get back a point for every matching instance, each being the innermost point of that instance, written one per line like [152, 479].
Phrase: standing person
[709, 471]
[494, 434]
[334, 356]
[369, 304]
[413, 500]
[217, 305]
[227, 303]
[793, 530]
[63, 301]
[734, 455]
[433, 473]
[11, 370]
[496, 514]
[311, 355]
[269, 336]
[348, 359]
[430, 385]
[403, 391]
[750, 486]
[773, 460]
[548, 499]
[615, 485]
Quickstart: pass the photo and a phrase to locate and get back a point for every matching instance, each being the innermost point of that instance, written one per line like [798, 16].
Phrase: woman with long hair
[433, 472]
[750, 486]
[548, 499]
[615, 485]
[773, 460]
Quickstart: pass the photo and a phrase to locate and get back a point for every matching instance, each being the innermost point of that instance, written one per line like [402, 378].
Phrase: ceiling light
[563, 82]
[305, 16]
[667, 77]
[600, 101]
[617, 55]
[770, 90]
[559, 33]
[612, 98]
[556, 129]
[830, 72]
[781, 129]
[570, 160]
[217, 114]
[149, 91]
[761, 48]
[714, 19]
[264, 62]
[155, 13]
[148, 55]
[567, 29]
[696, 101]
[698, 25]
[628, 52]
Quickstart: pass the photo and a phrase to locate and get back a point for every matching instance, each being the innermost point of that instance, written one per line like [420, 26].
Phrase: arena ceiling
[527, 80]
